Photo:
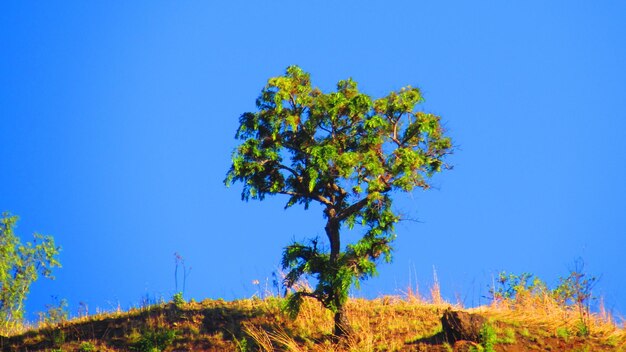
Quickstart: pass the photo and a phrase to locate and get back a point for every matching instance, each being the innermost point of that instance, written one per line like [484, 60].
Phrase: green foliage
[488, 337]
[348, 153]
[178, 299]
[87, 347]
[612, 341]
[20, 265]
[242, 345]
[514, 287]
[571, 292]
[154, 340]
[487, 340]
[563, 333]
[509, 336]
[477, 348]
[58, 337]
[582, 328]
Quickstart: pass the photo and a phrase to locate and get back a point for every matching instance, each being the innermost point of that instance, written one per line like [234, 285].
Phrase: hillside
[384, 324]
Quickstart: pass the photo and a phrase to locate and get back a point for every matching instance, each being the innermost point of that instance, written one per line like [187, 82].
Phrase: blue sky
[117, 122]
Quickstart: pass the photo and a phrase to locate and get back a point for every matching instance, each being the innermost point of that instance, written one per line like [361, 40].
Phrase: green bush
[154, 340]
[512, 287]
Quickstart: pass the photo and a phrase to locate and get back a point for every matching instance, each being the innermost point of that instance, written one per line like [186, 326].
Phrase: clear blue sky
[117, 121]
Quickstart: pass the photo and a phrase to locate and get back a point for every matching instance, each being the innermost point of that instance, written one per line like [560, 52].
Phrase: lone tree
[20, 266]
[348, 153]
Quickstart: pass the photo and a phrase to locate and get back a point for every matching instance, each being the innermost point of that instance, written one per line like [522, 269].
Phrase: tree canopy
[347, 152]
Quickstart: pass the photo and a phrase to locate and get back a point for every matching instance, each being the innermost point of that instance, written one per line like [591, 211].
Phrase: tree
[348, 153]
[20, 266]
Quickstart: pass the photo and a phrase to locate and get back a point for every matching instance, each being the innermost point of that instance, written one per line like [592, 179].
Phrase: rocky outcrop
[462, 326]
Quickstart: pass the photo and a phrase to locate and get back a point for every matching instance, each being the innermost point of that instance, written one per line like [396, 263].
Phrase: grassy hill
[389, 323]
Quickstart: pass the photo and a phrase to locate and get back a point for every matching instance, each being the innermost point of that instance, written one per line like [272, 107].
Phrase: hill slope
[384, 324]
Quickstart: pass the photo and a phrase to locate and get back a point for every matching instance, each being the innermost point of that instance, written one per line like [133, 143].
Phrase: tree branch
[345, 213]
[394, 136]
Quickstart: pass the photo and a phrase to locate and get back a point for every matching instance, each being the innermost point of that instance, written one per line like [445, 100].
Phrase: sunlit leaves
[342, 135]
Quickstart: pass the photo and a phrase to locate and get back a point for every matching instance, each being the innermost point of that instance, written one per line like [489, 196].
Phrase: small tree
[346, 152]
[20, 266]
[577, 290]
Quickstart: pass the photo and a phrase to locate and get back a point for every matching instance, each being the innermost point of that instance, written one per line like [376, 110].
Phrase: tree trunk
[342, 325]
[332, 231]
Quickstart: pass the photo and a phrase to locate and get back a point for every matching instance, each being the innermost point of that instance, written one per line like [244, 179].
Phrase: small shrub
[477, 348]
[55, 313]
[528, 335]
[242, 345]
[87, 347]
[576, 290]
[178, 300]
[154, 340]
[509, 337]
[57, 336]
[488, 337]
[525, 332]
[582, 328]
[612, 341]
[562, 333]
[515, 288]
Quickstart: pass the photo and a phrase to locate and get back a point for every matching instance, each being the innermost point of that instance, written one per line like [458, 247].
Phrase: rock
[462, 326]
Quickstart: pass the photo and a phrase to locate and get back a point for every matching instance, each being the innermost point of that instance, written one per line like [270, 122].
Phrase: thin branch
[319, 125]
[410, 220]
[284, 167]
[316, 197]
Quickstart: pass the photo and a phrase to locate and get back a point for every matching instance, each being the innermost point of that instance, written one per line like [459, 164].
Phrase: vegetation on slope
[389, 323]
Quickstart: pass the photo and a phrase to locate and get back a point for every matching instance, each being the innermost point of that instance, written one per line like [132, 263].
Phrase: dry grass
[388, 323]
[398, 323]
[541, 316]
